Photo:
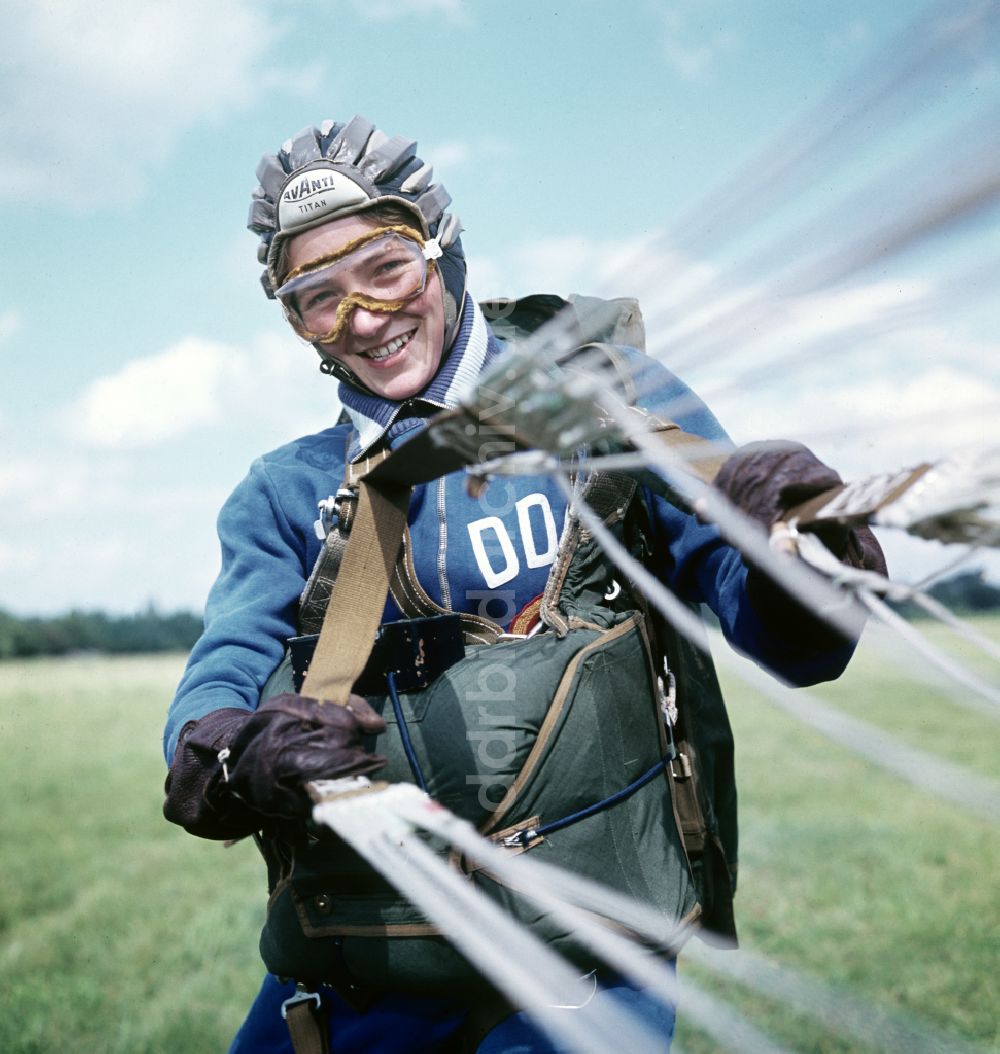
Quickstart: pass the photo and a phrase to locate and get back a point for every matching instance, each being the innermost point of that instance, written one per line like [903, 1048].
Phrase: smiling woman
[531, 687]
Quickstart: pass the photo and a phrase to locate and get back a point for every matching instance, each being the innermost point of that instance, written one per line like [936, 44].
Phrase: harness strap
[414, 601]
[307, 1024]
[316, 595]
[367, 567]
[352, 617]
[405, 588]
[701, 456]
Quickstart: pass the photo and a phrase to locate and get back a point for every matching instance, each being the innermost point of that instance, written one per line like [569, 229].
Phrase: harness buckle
[341, 504]
[302, 995]
[519, 839]
[680, 767]
[666, 693]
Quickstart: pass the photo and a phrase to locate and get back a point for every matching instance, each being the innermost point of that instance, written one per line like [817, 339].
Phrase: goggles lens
[382, 273]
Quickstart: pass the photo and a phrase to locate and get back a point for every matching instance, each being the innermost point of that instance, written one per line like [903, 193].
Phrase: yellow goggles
[382, 270]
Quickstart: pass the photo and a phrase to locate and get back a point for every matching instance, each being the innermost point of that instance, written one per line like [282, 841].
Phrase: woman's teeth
[378, 354]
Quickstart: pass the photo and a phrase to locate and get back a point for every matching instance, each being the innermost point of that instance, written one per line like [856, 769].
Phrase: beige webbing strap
[701, 456]
[355, 610]
[308, 1029]
[319, 586]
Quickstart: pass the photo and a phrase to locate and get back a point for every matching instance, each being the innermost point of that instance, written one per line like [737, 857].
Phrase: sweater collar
[373, 417]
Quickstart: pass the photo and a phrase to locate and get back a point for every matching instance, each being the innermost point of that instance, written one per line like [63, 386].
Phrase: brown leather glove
[293, 739]
[273, 752]
[197, 796]
[766, 481]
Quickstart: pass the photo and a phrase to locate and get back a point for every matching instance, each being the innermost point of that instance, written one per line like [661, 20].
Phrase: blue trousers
[400, 1024]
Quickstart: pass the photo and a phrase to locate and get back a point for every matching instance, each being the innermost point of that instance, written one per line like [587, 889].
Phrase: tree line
[967, 593]
[144, 631]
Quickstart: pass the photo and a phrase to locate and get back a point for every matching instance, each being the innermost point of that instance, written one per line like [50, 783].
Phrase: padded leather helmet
[335, 170]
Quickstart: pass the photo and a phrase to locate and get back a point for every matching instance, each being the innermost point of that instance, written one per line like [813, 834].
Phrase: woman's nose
[365, 323]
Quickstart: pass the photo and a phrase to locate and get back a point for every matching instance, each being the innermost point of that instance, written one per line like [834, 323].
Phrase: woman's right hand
[293, 739]
[234, 770]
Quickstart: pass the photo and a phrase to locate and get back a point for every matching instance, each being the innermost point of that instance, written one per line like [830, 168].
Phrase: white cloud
[129, 502]
[10, 323]
[105, 531]
[874, 422]
[159, 397]
[199, 384]
[449, 155]
[97, 92]
[640, 267]
[868, 374]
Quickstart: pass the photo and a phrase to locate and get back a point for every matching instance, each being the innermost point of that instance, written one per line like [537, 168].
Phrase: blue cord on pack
[525, 837]
[404, 733]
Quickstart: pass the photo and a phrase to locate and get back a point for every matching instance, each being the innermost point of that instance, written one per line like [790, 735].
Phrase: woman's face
[394, 354]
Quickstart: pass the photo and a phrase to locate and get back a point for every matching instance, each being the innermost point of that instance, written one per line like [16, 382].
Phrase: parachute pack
[601, 744]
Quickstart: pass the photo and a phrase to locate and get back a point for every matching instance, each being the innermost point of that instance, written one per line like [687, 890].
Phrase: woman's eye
[316, 300]
[390, 266]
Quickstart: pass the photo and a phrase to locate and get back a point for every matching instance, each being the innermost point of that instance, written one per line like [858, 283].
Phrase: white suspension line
[975, 794]
[839, 1011]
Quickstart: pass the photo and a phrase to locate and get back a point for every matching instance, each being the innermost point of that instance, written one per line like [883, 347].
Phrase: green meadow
[121, 934]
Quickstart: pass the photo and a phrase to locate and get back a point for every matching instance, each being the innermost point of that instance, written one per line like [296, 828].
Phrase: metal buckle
[328, 506]
[520, 839]
[344, 503]
[685, 771]
[666, 693]
[302, 995]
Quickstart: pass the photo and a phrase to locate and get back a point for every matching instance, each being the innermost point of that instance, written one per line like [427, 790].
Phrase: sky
[747, 168]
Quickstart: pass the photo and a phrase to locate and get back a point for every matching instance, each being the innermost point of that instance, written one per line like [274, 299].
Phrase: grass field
[120, 933]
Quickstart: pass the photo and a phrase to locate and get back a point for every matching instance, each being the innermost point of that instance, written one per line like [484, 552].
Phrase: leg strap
[307, 1022]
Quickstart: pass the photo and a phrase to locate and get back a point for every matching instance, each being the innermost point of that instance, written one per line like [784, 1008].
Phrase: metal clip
[331, 506]
[322, 525]
[684, 762]
[519, 839]
[666, 693]
[302, 995]
[223, 755]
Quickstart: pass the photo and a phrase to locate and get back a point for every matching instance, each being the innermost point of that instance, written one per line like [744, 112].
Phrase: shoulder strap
[404, 586]
[354, 612]
[316, 594]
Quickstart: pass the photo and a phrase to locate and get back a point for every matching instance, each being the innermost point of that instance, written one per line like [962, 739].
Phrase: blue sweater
[489, 555]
